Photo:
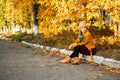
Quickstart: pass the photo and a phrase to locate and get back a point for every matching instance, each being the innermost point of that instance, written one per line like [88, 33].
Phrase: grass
[16, 37]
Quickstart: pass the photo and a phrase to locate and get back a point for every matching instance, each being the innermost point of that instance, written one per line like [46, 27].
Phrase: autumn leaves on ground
[56, 22]
[106, 44]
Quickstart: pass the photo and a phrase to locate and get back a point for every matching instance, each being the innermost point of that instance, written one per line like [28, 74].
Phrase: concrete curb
[98, 59]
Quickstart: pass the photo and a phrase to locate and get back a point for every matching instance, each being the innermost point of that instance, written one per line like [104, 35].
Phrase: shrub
[16, 38]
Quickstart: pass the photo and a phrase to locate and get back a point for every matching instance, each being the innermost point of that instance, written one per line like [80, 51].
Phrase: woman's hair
[82, 24]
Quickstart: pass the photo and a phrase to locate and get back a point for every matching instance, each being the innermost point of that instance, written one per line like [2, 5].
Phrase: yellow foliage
[52, 13]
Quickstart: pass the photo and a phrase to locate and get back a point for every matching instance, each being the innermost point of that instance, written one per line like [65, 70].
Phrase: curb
[98, 59]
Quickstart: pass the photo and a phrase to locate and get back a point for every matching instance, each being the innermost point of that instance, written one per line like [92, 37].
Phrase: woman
[84, 45]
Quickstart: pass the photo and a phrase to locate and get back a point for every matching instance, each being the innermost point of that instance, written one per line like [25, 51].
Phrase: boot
[65, 60]
[75, 60]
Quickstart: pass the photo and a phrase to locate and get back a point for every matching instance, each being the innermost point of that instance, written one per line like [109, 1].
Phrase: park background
[55, 22]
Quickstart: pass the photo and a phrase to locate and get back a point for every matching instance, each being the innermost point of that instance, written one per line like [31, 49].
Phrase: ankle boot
[75, 60]
[65, 60]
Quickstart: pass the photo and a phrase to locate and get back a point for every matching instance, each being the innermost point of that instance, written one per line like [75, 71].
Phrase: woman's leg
[75, 55]
[76, 52]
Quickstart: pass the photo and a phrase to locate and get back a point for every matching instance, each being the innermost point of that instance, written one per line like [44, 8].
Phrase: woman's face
[82, 27]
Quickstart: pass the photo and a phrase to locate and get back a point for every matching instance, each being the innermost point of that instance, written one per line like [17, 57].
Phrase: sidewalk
[21, 63]
[98, 59]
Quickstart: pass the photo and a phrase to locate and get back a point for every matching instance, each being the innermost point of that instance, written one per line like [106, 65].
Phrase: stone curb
[98, 59]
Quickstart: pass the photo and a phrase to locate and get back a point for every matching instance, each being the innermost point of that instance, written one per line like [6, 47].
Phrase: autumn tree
[52, 17]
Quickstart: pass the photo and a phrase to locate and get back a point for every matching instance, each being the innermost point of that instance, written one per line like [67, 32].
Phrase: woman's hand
[70, 47]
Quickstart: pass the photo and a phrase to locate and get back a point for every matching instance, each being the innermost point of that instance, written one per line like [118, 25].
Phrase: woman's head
[82, 26]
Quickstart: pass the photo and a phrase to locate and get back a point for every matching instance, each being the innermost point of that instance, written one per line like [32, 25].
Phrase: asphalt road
[20, 63]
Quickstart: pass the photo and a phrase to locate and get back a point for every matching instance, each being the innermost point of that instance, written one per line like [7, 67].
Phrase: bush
[16, 38]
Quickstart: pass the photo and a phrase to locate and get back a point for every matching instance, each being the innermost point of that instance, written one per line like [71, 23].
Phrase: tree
[49, 16]
[35, 12]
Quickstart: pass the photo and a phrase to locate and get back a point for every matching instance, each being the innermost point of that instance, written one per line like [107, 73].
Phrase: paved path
[19, 63]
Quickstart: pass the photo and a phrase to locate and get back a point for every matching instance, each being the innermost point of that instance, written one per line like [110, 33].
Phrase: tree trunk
[117, 30]
[35, 12]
